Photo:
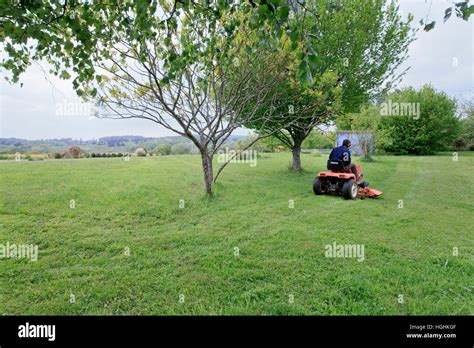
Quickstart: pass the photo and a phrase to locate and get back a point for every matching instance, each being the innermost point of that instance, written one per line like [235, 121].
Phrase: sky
[47, 107]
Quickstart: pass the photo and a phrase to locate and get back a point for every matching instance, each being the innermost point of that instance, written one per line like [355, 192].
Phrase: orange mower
[342, 182]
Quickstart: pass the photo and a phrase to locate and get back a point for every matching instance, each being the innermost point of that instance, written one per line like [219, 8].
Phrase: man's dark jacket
[341, 153]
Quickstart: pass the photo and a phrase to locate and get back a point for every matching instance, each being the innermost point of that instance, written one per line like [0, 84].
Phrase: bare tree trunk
[208, 173]
[298, 139]
[296, 158]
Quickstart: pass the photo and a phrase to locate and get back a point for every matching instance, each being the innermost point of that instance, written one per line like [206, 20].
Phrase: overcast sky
[47, 107]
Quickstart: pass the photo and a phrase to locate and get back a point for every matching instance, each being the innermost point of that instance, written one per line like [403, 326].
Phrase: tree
[432, 127]
[465, 141]
[307, 108]
[353, 50]
[363, 41]
[200, 89]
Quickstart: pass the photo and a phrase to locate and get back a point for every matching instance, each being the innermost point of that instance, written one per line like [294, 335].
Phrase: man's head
[346, 143]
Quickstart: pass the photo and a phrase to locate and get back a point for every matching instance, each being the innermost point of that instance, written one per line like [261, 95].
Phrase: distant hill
[123, 143]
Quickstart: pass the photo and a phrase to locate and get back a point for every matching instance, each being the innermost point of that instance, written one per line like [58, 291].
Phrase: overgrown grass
[192, 251]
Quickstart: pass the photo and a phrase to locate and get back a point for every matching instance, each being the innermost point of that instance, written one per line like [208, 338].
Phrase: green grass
[190, 251]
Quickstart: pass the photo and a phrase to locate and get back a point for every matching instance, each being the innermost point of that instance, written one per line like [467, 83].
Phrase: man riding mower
[344, 178]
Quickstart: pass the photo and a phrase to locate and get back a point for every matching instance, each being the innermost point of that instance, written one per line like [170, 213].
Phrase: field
[143, 239]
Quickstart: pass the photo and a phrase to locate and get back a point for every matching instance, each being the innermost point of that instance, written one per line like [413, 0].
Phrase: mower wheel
[317, 186]
[349, 189]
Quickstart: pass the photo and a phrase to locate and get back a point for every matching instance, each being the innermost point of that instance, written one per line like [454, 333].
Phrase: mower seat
[336, 166]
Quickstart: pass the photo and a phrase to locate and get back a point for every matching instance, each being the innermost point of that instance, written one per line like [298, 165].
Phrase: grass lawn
[185, 261]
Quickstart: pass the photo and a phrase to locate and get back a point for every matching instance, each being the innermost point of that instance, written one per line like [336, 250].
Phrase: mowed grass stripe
[190, 251]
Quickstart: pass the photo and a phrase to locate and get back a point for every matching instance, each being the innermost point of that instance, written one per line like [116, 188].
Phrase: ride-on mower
[339, 181]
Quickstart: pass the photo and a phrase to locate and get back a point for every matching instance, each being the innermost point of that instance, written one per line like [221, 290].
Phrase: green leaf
[429, 26]
[313, 61]
[467, 12]
[283, 12]
[68, 46]
[263, 10]
[65, 75]
[294, 35]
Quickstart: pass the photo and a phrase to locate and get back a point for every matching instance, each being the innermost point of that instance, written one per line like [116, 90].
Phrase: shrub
[163, 149]
[73, 152]
[433, 129]
[140, 152]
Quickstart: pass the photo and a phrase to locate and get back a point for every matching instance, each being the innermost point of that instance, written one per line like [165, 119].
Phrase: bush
[163, 149]
[92, 154]
[434, 129]
[73, 152]
[120, 154]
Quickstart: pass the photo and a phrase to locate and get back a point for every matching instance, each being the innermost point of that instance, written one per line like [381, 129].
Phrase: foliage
[181, 149]
[368, 119]
[273, 144]
[364, 42]
[465, 141]
[163, 149]
[319, 140]
[434, 129]
[355, 48]
[77, 34]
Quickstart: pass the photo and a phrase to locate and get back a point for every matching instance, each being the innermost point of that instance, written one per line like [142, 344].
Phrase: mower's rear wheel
[349, 189]
[317, 189]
